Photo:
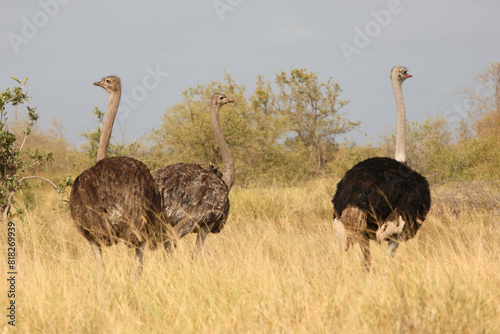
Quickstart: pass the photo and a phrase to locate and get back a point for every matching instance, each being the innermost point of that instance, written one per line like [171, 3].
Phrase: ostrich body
[117, 198]
[195, 199]
[382, 198]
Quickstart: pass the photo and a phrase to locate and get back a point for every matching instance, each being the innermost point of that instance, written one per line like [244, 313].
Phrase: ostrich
[382, 198]
[117, 197]
[195, 199]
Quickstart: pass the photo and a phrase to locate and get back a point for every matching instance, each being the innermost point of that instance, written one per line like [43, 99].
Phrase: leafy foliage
[476, 155]
[313, 111]
[15, 159]
[483, 103]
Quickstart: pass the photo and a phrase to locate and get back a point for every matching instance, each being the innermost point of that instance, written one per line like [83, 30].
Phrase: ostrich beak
[229, 101]
[409, 75]
[98, 83]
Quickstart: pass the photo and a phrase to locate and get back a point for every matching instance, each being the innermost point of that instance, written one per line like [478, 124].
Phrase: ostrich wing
[192, 191]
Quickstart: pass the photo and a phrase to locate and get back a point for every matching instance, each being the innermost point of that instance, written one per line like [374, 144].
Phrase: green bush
[15, 159]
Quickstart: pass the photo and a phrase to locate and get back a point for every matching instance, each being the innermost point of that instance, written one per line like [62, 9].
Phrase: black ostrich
[382, 198]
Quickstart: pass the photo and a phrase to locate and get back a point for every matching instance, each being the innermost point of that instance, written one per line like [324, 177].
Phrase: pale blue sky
[65, 45]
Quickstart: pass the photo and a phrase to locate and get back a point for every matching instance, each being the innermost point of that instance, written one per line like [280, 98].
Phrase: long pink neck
[401, 126]
[113, 103]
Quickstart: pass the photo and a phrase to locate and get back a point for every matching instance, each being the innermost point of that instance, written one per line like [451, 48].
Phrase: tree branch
[41, 178]
[24, 141]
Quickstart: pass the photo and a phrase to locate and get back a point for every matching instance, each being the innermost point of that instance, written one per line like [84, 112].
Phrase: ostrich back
[189, 190]
[117, 199]
[380, 187]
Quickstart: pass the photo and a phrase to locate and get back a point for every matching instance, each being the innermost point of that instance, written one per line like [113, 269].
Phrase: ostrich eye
[221, 98]
[108, 81]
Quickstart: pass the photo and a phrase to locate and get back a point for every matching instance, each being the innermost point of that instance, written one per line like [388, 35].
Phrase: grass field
[277, 267]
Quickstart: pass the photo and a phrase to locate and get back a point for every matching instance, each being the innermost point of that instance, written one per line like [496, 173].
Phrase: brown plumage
[117, 198]
[195, 199]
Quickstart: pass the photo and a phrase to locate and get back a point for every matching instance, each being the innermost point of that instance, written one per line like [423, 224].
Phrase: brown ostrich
[117, 198]
[382, 198]
[195, 199]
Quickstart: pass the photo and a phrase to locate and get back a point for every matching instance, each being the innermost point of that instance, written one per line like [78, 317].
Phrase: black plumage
[383, 189]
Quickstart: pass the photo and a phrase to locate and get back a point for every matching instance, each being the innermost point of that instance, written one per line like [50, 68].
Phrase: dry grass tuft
[278, 266]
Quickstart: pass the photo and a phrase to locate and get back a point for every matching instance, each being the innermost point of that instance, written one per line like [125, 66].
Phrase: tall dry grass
[277, 266]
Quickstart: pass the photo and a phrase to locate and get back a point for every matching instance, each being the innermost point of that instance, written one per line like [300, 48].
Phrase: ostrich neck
[228, 174]
[113, 102]
[401, 126]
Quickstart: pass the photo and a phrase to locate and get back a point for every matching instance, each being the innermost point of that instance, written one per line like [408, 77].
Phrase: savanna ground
[277, 266]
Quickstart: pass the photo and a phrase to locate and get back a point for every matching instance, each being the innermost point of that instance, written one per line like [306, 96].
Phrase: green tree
[313, 111]
[15, 159]
[478, 149]
[269, 158]
[483, 104]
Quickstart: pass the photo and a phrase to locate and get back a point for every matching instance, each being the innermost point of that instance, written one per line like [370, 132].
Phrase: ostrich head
[400, 73]
[219, 99]
[111, 84]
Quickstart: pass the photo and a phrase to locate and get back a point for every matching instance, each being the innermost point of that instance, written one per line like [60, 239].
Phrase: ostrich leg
[139, 253]
[364, 243]
[393, 244]
[180, 230]
[200, 239]
[96, 249]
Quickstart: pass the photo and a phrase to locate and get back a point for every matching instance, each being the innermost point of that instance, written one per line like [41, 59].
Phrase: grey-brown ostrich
[382, 198]
[195, 199]
[117, 198]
